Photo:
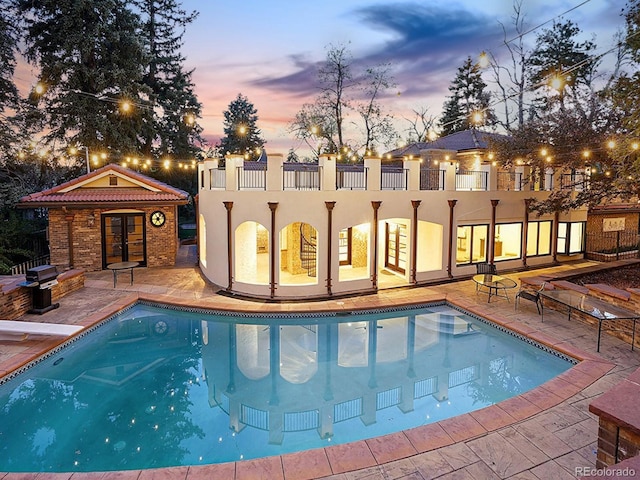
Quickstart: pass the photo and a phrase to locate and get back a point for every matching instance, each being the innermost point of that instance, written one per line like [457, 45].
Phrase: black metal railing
[300, 176]
[508, 181]
[574, 181]
[393, 178]
[253, 176]
[431, 179]
[308, 243]
[351, 177]
[471, 180]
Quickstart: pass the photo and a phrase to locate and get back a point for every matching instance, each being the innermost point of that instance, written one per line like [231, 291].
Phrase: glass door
[123, 238]
[396, 247]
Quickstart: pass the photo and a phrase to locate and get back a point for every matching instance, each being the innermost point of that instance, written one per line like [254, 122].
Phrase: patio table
[593, 307]
[121, 267]
[494, 284]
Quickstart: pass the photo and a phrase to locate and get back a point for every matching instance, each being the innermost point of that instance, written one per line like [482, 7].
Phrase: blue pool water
[156, 387]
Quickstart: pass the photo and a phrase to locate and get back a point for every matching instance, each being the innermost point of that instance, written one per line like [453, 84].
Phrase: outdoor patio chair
[486, 268]
[532, 296]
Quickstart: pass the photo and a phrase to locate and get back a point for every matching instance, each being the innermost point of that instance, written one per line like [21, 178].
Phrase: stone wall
[16, 300]
[162, 242]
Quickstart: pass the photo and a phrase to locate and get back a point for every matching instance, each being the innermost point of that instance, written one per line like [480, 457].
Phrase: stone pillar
[274, 172]
[374, 181]
[327, 164]
[233, 163]
[412, 166]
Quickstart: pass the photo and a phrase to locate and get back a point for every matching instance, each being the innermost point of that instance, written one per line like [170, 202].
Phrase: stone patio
[546, 433]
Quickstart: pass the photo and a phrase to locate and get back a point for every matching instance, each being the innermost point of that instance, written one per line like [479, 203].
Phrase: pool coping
[337, 459]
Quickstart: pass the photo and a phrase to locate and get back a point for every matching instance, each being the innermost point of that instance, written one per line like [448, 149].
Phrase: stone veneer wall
[162, 242]
[619, 422]
[16, 300]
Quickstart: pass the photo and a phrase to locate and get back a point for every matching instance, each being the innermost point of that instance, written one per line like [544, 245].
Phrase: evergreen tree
[560, 65]
[175, 130]
[9, 99]
[91, 61]
[241, 132]
[468, 98]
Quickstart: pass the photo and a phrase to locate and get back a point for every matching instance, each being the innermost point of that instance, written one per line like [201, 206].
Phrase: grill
[40, 280]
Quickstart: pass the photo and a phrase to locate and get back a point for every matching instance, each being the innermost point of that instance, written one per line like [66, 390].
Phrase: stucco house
[279, 230]
[111, 215]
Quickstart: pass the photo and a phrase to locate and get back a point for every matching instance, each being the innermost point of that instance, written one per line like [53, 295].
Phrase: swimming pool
[156, 387]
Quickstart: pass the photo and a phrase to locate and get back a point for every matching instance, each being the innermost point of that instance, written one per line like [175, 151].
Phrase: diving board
[24, 329]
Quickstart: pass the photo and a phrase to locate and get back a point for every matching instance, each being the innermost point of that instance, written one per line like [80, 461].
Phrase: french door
[396, 247]
[123, 238]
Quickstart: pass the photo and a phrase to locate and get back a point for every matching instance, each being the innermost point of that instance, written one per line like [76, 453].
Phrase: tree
[421, 126]
[91, 64]
[378, 126]
[468, 99]
[9, 99]
[322, 124]
[175, 130]
[560, 65]
[512, 89]
[335, 80]
[240, 129]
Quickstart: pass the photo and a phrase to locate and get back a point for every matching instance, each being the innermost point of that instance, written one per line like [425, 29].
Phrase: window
[539, 238]
[471, 244]
[570, 237]
[508, 241]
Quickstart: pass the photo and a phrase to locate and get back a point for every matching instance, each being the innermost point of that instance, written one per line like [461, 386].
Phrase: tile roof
[73, 192]
[471, 139]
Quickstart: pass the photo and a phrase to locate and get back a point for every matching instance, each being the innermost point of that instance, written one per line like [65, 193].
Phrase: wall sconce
[91, 220]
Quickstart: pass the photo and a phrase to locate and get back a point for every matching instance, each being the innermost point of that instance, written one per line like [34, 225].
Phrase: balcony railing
[218, 178]
[393, 178]
[471, 180]
[508, 181]
[252, 177]
[574, 181]
[300, 176]
[351, 177]
[431, 179]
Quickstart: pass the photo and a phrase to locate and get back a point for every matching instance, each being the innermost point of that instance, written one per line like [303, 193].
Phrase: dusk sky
[269, 51]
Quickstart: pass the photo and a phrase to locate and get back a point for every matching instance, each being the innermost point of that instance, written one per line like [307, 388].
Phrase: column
[228, 206]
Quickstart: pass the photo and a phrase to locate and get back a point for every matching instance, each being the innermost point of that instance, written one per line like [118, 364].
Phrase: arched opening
[298, 254]
[251, 253]
[353, 251]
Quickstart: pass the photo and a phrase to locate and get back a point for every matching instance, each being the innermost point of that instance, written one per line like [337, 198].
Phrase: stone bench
[566, 285]
[602, 290]
[537, 282]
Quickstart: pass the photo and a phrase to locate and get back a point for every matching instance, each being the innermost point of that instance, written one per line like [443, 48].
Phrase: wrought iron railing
[393, 178]
[300, 176]
[431, 179]
[253, 176]
[471, 180]
[351, 177]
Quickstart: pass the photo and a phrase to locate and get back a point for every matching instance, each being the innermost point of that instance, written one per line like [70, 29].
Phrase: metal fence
[508, 181]
[300, 176]
[253, 176]
[471, 180]
[393, 178]
[351, 177]
[431, 179]
[612, 242]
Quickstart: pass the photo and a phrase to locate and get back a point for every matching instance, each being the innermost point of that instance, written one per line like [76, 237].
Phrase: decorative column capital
[228, 206]
[330, 205]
